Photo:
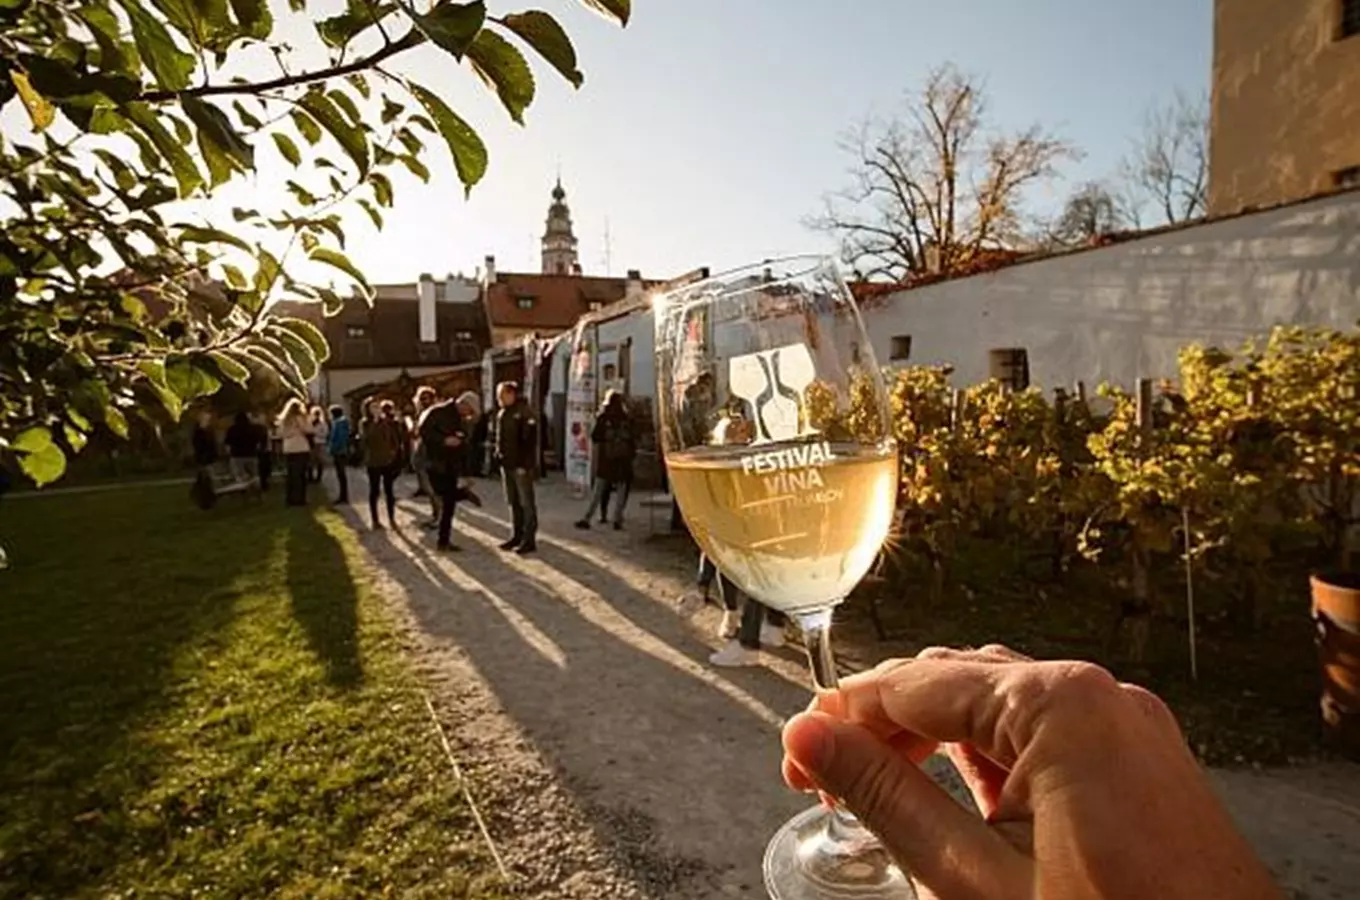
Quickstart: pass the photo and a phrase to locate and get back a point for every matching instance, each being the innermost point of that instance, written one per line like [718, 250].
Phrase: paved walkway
[613, 761]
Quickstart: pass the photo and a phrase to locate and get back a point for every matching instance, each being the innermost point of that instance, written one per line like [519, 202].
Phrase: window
[900, 349]
[356, 332]
[1347, 178]
[1010, 366]
[561, 268]
[525, 302]
[1350, 19]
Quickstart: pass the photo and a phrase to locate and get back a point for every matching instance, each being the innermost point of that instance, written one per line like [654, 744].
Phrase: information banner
[581, 403]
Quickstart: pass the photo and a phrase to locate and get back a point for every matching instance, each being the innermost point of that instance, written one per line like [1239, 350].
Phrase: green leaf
[466, 148]
[359, 83]
[618, 10]
[337, 260]
[331, 302]
[416, 168]
[410, 141]
[390, 110]
[214, 125]
[189, 380]
[309, 334]
[542, 32]
[286, 147]
[372, 213]
[248, 119]
[451, 26]
[230, 368]
[195, 234]
[306, 126]
[254, 18]
[235, 277]
[298, 353]
[116, 421]
[382, 189]
[77, 419]
[351, 138]
[114, 54]
[503, 68]
[337, 31]
[266, 272]
[187, 175]
[169, 65]
[123, 176]
[342, 100]
[153, 369]
[40, 112]
[75, 438]
[40, 458]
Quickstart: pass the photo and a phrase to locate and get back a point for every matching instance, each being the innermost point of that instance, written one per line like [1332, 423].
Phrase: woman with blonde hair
[296, 431]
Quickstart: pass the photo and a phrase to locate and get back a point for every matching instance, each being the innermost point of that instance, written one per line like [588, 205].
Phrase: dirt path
[612, 761]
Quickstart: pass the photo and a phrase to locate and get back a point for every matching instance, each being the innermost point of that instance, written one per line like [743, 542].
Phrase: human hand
[1086, 785]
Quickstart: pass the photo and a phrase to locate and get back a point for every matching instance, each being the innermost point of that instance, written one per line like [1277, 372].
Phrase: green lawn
[212, 704]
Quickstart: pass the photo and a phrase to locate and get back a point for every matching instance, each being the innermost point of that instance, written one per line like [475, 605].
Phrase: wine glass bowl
[777, 441]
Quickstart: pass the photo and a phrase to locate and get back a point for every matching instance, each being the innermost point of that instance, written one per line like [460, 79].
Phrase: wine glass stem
[843, 829]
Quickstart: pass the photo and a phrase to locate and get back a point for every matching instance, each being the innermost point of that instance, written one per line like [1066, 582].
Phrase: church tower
[559, 242]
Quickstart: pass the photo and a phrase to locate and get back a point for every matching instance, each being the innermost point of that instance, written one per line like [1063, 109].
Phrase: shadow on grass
[326, 606]
[103, 593]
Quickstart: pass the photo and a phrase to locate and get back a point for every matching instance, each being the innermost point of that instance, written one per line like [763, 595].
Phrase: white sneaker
[734, 656]
[689, 604]
[772, 636]
[730, 625]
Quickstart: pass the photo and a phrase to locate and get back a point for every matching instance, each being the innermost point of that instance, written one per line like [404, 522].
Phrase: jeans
[295, 486]
[519, 496]
[444, 487]
[425, 478]
[753, 615]
[384, 477]
[341, 462]
[599, 499]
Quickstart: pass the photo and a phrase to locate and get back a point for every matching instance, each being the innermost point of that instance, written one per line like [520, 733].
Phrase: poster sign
[580, 407]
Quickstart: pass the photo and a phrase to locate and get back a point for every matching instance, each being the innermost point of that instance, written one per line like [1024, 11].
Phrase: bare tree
[932, 188]
[1093, 209]
[1167, 171]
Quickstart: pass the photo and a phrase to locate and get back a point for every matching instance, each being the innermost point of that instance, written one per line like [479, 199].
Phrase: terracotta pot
[1336, 615]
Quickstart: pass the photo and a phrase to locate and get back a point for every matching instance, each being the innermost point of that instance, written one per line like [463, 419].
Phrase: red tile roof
[558, 300]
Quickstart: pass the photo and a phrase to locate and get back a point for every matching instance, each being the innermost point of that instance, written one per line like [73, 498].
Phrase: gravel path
[612, 761]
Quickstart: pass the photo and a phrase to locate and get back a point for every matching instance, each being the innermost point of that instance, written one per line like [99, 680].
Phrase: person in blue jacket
[338, 447]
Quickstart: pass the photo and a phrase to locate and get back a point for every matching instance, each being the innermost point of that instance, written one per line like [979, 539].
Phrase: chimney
[425, 299]
[489, 276]
[634, 288]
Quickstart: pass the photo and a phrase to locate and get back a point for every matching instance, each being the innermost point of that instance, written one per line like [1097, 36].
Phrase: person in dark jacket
[244, 445]
[517, 454]
[443, 430]
[204, 441]
[615, 439]
[383, 439]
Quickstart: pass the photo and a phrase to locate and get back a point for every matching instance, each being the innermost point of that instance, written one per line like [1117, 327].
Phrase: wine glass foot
[803, 863]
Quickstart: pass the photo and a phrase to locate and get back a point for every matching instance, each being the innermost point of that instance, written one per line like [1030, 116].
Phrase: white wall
[1122, 312]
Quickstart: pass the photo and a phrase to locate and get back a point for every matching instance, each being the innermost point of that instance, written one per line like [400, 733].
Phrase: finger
[948, 850]
[995, 707]
[984, 778]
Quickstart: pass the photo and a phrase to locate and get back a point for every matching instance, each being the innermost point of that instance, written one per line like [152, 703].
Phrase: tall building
[552, 300]
[1286, 101]
[559, 240]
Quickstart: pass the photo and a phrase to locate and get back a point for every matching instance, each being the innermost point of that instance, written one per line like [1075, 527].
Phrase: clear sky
[707, 129]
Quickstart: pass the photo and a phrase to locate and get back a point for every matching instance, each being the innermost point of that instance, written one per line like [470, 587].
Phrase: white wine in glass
[778, 447]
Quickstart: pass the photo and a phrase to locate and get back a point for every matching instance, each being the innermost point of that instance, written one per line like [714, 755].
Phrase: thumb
[943, 846]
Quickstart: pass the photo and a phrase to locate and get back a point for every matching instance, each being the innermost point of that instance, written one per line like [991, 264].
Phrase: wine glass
[778, 446]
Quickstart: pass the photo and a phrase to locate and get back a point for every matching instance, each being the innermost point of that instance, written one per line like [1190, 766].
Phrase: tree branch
[411, 39]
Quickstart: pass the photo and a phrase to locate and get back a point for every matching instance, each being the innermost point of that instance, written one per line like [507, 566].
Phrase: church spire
[559, 240]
